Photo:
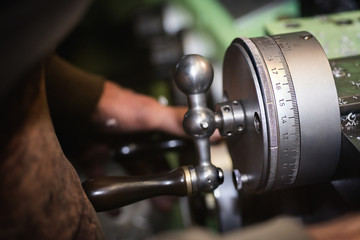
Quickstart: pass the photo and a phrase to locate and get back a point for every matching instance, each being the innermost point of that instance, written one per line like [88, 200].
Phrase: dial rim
[286, 164]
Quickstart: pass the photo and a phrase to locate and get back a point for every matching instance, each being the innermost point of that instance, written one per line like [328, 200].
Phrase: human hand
[122, 110]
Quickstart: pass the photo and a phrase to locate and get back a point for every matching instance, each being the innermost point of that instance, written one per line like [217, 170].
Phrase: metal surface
[110, 192]
[289, 97]
[346, 73]
[350, 126]
[226, 196]
[230, 118]
[193, 76]
[337, 33]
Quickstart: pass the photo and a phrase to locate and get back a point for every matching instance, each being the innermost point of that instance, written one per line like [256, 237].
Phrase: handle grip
[106, 193]
[193, 75]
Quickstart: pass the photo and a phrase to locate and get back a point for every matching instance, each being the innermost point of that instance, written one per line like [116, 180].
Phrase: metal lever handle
[193, 76]
[106, 193]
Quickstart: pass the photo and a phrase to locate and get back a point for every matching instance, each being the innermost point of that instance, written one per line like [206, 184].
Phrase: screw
[204, 125]
[306, 36]
[240, 128]
[239, 179]
[227, 108]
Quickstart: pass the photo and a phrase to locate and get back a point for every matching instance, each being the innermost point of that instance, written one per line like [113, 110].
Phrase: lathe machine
[290, 119]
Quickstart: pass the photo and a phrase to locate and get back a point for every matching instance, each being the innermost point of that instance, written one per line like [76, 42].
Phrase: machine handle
[109, 192]
[193, 75]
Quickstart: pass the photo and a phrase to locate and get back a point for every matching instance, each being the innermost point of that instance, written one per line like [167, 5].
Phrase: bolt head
[237, 179]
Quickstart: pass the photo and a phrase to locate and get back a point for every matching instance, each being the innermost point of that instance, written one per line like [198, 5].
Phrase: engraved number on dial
[284, 97]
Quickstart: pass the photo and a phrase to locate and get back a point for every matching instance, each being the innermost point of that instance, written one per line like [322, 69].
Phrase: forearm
[71, 92]
[77, 98]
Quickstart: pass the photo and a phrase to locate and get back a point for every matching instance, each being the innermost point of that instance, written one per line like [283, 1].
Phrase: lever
[193, 76]
[109, 192]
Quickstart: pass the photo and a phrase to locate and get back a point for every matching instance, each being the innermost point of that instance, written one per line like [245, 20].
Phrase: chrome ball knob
[193, 74]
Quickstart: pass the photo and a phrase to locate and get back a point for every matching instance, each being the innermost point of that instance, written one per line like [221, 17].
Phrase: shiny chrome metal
[237, 179]
[281, 112]
[291, 111]
[230, 118]
[193, 76]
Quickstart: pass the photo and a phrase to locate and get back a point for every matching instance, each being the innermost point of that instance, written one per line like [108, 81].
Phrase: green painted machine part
[338, 34]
